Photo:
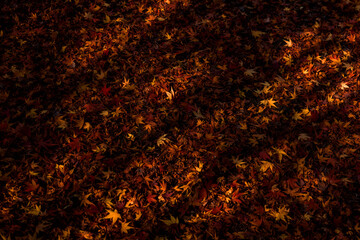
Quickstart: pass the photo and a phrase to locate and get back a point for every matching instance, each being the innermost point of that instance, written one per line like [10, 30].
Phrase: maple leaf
[171, 221]
[125, 227]
[32, 113]
[198, 114]
[167, 36]
[61, 123]
[257, 34]
[101, 75]
[139, 120]
[80, 123]
[105, 91]
[297, 116]
[289, 43]
[344, 86]
[250, 72]
[35, 211]
[104, 113]
[293, 95]
[75, 144]
[199, 168]
[269, 102]
[280, 152]
[170, 94]
[107, 19]
[348, 67]
[266, 165]
[151, 198]
[335, 60]
[351, 38]
[242, 126]
[148, 127]
[224, 68]
[239, 163]
[162, 140]
[113, 215]
[303, 136]
[282, 214]
[84, 200]
[31, 186]
[88, 15]
[87, 126]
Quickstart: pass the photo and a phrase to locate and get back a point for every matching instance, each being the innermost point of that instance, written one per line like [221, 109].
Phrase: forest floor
[172, 119]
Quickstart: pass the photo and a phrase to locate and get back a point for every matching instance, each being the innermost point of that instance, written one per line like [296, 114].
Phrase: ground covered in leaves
[171, 119]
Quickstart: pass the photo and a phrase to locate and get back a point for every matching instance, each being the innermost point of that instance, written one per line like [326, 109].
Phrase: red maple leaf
[75, 144]
[264, 155]
[151, 198]
[105, 90]
[216, 210]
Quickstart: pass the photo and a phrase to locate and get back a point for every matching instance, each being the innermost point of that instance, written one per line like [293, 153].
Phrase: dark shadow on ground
[55, 77]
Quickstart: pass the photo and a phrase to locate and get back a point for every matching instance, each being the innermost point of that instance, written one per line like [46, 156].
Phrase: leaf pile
[175, 119]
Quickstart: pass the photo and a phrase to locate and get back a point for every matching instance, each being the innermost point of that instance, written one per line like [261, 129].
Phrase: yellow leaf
[167, 36]
[96, 8]
[80, 123]
[113, 215]
[303, 136]
[87, 126]
[117, 112]
[162, 140]
[198, 114]
[282, 214]
[224, 68]
[306, 112]
[250, 72]
[271, 103]
[88, 15]
[104, 113]
[83, 87]
[289, 43]
[257, 34]
[101, 75]
[125, 227]
[137, 215]
[148, 127]
[239, 163]
[280, 152]
[344, 86]
[293, 95]
[5, 238]
[172, 220]
[170, 94]
[130, 136]
[139, 120]
[107, 19]
[201, 164]
[266, 165]
[61, 123]
[357, 228]
[243, 126]
[32, 113]
[266, 89]
[108, 202]
[35, 211]
[268, 102]
[84, 200]
[297, 116]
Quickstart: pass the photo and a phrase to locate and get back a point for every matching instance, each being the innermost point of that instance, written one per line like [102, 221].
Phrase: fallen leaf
[113, 215]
